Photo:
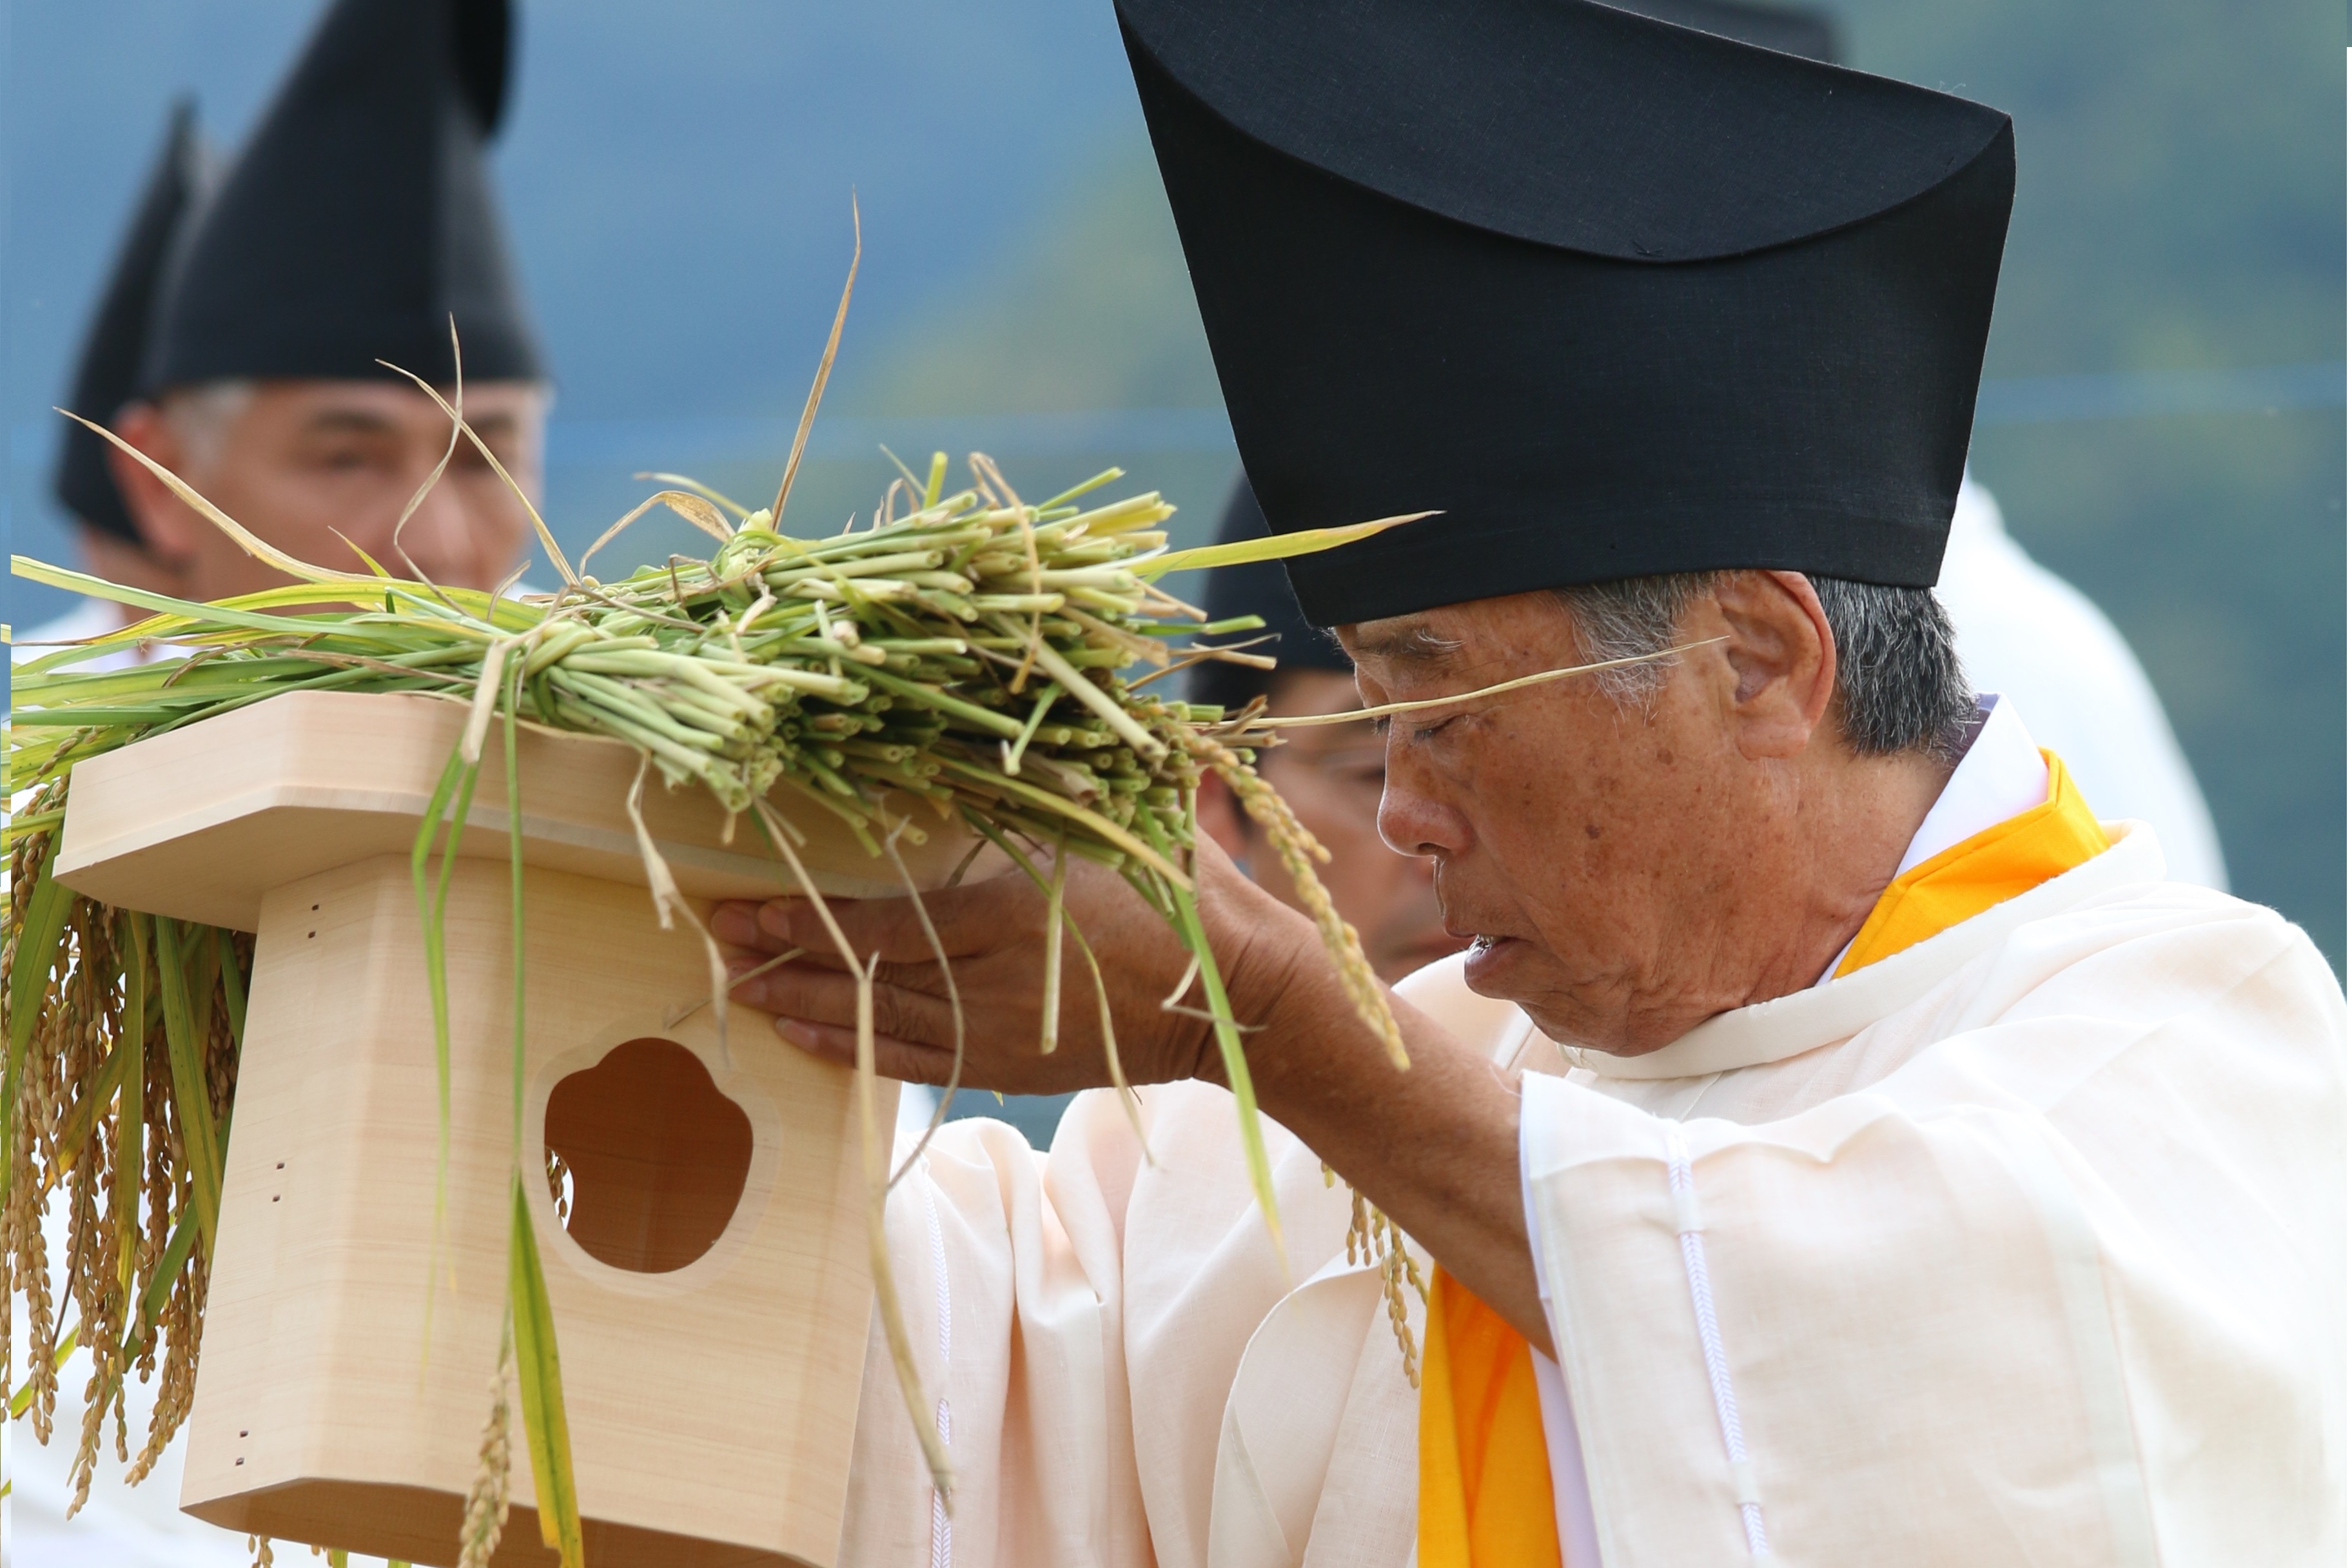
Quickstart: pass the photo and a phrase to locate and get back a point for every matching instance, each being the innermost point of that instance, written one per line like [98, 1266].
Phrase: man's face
[1583, 848]
[1331, 776]
[299, 462]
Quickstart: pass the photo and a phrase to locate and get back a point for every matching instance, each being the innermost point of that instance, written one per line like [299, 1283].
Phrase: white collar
[1824, 1015]
[2000, 774]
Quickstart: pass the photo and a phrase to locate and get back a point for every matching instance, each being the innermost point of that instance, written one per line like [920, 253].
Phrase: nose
[439, 537]
[1415, 817]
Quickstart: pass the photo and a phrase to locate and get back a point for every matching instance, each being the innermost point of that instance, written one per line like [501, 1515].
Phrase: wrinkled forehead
[1432, 644]
[511, 406]
[1399, 644]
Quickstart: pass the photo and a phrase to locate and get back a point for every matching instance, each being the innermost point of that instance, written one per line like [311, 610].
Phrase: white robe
[2023, 1246]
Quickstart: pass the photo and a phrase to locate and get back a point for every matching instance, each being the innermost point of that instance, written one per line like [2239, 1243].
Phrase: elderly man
[1838, 1145]
[238, 341]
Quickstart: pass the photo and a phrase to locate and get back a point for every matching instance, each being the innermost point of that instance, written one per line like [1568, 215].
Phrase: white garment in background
[2030, 635]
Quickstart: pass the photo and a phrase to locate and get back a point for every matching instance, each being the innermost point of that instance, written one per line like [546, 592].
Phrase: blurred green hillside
[2179, 207]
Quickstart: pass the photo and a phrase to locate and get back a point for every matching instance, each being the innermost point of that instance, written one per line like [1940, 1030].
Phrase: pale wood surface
[199, 823]
[348, 1346]
[711, 1408]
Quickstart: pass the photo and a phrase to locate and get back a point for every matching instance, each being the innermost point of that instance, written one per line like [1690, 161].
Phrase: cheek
[294, 506]
[492, 513]
[1544, 816]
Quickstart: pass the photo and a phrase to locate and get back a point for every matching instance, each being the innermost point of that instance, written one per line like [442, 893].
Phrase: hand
[993, 933]
[1436, 1146]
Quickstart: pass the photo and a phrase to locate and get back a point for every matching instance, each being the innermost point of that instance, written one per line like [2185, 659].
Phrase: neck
[1791, 897]
[1839, 850]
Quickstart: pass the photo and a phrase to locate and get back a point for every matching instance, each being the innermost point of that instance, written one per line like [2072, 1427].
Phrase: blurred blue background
[2163, 420]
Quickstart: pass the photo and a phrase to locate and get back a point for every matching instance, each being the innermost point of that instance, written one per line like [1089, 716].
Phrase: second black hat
[358, 217]
[106, 375]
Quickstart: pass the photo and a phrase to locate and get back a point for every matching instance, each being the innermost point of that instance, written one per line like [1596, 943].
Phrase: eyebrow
[360, 421]
[1414, 647]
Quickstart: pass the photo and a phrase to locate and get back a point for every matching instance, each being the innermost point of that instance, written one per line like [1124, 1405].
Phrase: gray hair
[1900, 687]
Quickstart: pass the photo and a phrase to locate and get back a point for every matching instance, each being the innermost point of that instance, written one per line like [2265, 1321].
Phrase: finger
[743, 964]
[969, 920]
[893, 1058]
[816, 995]
[737, 923]
[829, 996]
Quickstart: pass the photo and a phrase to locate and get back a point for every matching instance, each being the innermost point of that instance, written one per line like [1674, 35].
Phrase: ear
[166, 527]
[1783, 660]
[1221, 819]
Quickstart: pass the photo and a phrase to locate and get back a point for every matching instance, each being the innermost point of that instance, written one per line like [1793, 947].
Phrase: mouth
[1487, 950]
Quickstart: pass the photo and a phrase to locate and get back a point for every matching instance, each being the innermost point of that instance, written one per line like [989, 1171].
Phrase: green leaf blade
[546, 1428]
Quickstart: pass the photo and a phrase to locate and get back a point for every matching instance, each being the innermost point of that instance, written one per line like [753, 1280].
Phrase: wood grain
[712, 1407]
[200, 823]
[350, 1336]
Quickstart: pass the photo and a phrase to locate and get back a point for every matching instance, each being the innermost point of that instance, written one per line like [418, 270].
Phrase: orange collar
[2010, 858]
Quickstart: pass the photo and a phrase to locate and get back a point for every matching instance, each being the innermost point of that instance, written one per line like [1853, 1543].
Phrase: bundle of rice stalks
[965, 660]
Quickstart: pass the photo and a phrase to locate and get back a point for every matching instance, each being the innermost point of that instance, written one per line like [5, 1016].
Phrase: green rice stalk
[947, 976]
[1050, 991]
[546, 1428]
[865, 671]
[190, 1095]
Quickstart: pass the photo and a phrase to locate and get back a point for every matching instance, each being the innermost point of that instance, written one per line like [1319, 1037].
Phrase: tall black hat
[1791, 29]
[359, 219]
[1616, 296]
[107, 376]
[1260, 589]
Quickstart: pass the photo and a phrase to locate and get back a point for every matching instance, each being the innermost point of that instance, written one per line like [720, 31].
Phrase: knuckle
[889, 1012]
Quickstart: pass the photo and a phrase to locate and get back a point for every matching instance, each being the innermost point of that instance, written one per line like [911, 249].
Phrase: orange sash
[1486, 1474]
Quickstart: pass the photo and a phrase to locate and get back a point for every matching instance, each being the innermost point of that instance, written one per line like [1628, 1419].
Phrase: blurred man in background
[238, 342]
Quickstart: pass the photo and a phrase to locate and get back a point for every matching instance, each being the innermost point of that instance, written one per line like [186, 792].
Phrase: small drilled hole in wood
[648, 1159]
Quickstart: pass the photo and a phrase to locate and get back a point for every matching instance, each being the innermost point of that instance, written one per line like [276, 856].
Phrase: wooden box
[710, 1289]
